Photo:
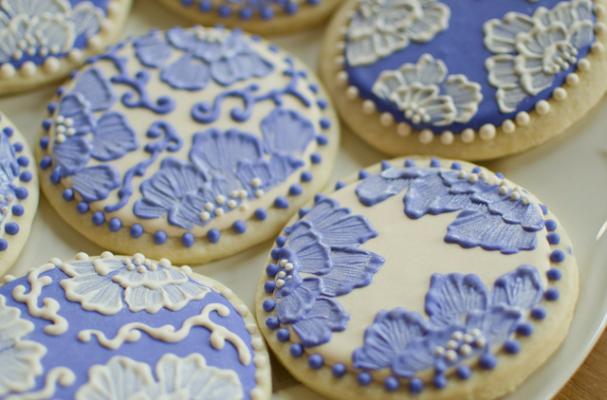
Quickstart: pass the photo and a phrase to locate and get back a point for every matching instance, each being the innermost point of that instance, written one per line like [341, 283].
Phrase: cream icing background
[568, 173]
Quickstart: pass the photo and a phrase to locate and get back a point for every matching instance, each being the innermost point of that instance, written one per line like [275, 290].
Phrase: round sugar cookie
[266, 17]
[43, 40]
[18, 193]
[192, 143]
[118, 327]
[423, 277]
[467, 79]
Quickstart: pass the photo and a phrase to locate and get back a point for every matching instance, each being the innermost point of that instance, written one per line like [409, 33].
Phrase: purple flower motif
[377, 188]
[219, 153]
[80, 136]
[451, 297]
[178, 190]
[388, 338]
[287, 132]
[465, 320]
[489, 216]
[323, 245]
[224, 56]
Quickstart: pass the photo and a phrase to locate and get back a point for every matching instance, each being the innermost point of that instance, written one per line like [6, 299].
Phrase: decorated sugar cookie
[466, 79]
[195, 143]
[421, 276]
[43, 40]
[114, 327]
[268, 17]
[18, 193]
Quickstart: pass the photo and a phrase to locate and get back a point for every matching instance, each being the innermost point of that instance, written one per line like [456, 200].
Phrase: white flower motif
[188, 378]
[19, 359]
[530, 51]
[427, 95]
[101, 284]
[42, 27]
[381, 27]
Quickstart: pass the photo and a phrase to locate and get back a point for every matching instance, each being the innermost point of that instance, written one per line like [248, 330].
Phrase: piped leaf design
[521, 288]
[325, 316]
[113, 137]
[296, 298]
[95, 183]
[387, 338]
[287, 132]
[350, 269]
[451, 297]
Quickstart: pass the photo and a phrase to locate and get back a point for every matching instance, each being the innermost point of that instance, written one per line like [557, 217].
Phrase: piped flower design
[106, 284]
[31, 28]
[214, 54]
[320, 259]
[529, 51]
[176, 377]
[19, 358]
[491, 215]
[225, 168]
[427, 95]
[80, 137]
[382, 27]
[465, 320]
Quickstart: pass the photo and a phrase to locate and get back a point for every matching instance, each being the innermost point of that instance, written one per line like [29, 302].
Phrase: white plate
[569, 174]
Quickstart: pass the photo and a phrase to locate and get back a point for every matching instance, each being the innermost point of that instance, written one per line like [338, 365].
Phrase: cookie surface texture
[419, 277]
[113, 327]
[464, 79]
[18, 193]
[266, 17]
[43, 40]
[198, 143]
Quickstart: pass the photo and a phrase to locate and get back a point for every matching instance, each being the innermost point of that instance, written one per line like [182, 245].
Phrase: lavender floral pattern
[80, 137]
[218, 55]
[465, 320]
[223, 168]
[320, 260]
[491, 216]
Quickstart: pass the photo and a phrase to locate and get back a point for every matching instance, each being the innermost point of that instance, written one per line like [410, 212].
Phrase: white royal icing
[426, 94]
[382, 27]
[184, 378]
[59, 375]
[44, 27]
[132, 332]
[107, 283]
[50, 309]
[23, 356]
[530, 50]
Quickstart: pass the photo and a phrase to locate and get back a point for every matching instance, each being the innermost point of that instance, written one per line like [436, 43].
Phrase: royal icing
[47, 35]
[247, 10]
[443, 70]
[185, 134]
[413, 276]
[18, 185]
[175, 334]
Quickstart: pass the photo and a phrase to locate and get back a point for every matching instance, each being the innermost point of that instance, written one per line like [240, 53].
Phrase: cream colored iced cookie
[118, 327]
[266, 17]
[18, 193]
[43, 40]
[467, 79]
[190, 143]
[423, 278]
